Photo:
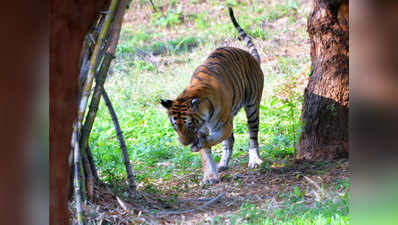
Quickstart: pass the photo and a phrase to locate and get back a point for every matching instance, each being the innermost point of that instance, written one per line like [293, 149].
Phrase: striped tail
[246, 38]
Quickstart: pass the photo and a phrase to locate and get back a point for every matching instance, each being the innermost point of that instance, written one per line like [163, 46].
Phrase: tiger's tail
[246, 38]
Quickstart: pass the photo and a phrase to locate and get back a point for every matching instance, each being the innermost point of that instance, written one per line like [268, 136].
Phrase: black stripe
[216, 55]
[235, 91]
[198, 78]
[253, 126]
[250, 116]
[212, 66]
[217, 124]
[212, 74]
[253, 120]
[249, 106]
[197, 117]
[251, 77]
[236, 76]
[211, 108]
[234, 54]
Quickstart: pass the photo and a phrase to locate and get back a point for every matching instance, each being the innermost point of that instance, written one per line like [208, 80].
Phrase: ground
[157, 53]
[283, 193]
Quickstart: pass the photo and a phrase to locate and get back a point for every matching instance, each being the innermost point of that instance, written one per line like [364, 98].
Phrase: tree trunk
[326, 97]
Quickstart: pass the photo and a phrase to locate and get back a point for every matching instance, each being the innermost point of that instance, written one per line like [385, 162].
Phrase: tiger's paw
[255, 163]
[254, 159]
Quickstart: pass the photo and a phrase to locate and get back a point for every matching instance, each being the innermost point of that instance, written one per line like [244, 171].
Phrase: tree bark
[326, 97]
[70, 21]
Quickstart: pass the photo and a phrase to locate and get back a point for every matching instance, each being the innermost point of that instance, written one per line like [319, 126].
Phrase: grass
[139, 80]
[294, 209]
[155, 59]
[321, 213]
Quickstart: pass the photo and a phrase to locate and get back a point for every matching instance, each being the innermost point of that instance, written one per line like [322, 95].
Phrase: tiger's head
[183, 117]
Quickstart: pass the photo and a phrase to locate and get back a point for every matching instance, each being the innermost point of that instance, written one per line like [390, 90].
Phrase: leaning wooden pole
[89, 122]
[82, 108]
[100, 78]
[126, 159]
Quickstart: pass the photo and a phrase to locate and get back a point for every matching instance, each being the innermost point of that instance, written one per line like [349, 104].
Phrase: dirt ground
[185, 201]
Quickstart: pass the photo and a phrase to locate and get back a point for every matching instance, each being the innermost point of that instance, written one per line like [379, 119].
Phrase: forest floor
[156, 55]
[301, 192]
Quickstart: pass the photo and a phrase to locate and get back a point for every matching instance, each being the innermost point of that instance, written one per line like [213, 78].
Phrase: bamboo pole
[82, 108]
[126, 160]
[88, 179]
[89, 122]
[88, 164]
[101, 76]
[76, 182]
[92, 165]
[100, 80]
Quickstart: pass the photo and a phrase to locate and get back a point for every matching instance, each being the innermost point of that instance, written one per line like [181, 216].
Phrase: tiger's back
[239, 77]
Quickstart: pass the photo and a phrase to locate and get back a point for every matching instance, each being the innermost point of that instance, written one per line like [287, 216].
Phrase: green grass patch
[278, 10]
[290, 213]
[172, 17]
[133, 47]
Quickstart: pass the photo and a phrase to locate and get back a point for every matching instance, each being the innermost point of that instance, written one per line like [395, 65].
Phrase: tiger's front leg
[210, 175]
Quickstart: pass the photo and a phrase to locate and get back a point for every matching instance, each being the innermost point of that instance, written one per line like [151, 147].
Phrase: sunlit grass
[150, 65]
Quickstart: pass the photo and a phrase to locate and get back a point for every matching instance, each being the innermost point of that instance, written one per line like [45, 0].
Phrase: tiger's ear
[195, 104]
[166, 103]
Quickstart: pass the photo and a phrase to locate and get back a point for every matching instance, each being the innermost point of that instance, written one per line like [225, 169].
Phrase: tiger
[229, 79]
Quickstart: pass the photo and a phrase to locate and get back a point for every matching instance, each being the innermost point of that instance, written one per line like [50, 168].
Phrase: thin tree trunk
[326, 97]
[126, 160]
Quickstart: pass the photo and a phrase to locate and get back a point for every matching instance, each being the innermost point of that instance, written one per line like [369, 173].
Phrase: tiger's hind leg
[227, 153]
[252, 113]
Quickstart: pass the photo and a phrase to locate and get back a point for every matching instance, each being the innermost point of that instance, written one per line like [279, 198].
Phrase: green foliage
[281, 10]
[258, 32]
[170, 18]
[294, 213]
[134, 48]
[201, 22]
[232, 3]
[132, 39]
